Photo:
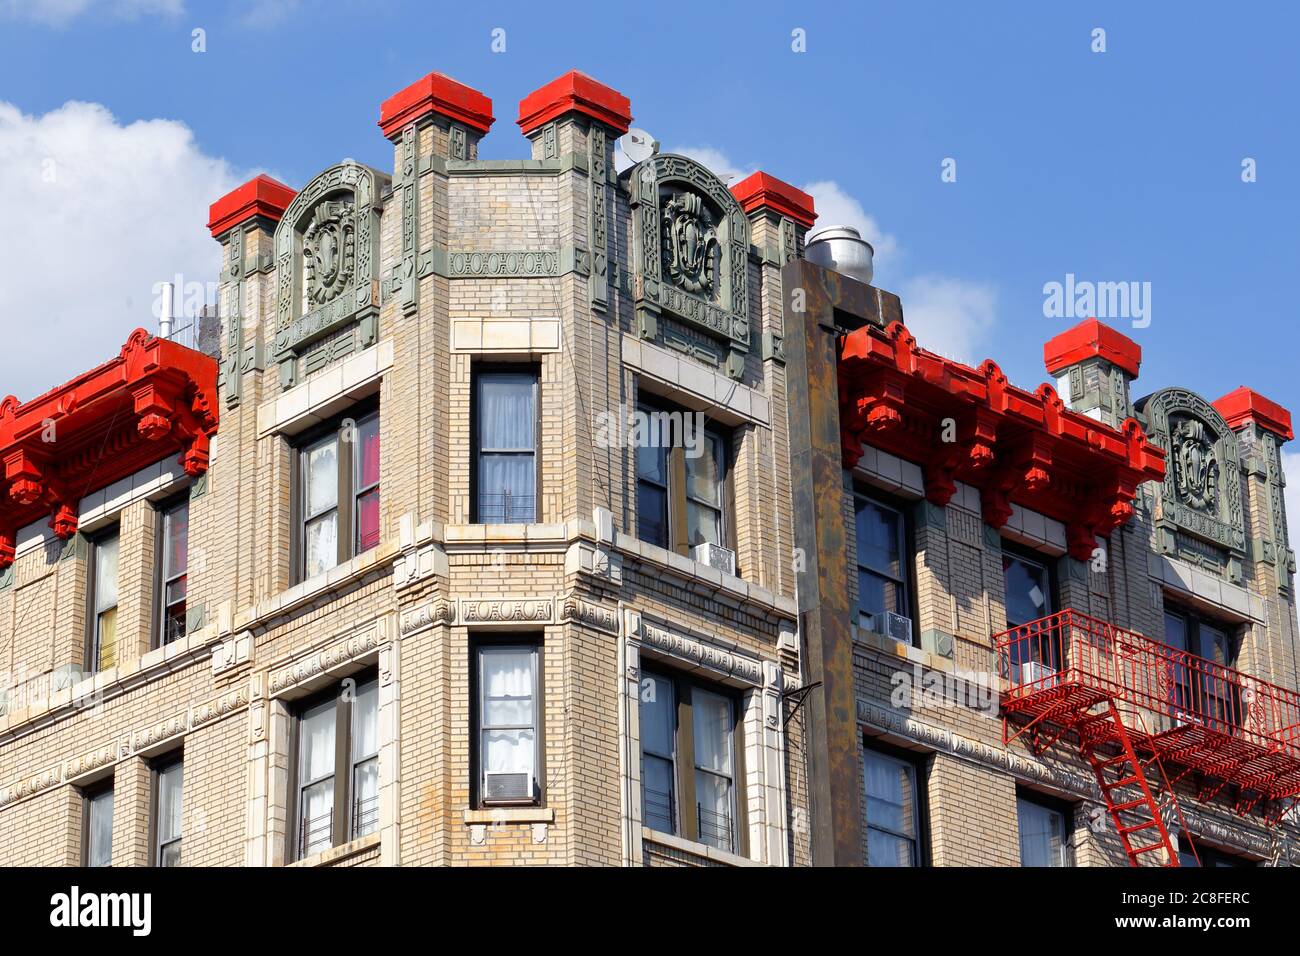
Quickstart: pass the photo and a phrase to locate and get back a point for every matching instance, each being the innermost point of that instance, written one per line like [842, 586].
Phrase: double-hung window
[1035, 652]
[505, 446]
[507, 719]
[337, 766]
[103, 601]
[173, 569]
[893, 810]
[690, 761]
[1044, 833]
[1205, 690]
[339, 493]
[682, 480]
[168, 810]
[882, 563]
[97, 830]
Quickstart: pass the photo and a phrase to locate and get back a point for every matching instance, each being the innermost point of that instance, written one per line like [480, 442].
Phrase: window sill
[337, 854]
[493, 815]
[337, 578]
[696, 849]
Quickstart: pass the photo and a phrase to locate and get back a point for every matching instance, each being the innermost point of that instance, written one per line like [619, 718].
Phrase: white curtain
[508, 710]
[101, 830]
[106, 573]
[169, 803]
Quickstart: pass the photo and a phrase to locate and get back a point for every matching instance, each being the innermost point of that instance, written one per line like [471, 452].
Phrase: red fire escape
[1146, 717]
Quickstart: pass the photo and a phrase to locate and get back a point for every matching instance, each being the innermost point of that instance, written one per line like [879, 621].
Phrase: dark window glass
[1028, 592]
[167, 814]
[175, 560]
[681, 480]
[103, 589]
[882, 576]
[340, 494]
[99, 828]
[1044, 834]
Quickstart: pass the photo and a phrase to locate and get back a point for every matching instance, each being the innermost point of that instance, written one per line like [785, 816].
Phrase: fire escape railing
[1181, 691]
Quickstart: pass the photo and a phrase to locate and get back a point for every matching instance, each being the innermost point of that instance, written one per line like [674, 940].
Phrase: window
[882, 556]
[167, 810]
[1044, 833]
[173, 569]
[507, 721]
[690, 761]
[97, 830]
[505, 447]
[1206, 856]
[1205, 691]
[337, 766]
[339, 494]
[893, 810]
[1028, 589]
[103, 601]
[682, 480]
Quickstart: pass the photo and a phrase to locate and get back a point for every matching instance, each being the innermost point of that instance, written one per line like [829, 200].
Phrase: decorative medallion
[691, 243]
[328, 251]
[1196, 468]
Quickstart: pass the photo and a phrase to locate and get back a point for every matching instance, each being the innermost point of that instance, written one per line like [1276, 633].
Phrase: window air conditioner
[501, 787]
[896, 627]
[715, 556]
[1039, 674]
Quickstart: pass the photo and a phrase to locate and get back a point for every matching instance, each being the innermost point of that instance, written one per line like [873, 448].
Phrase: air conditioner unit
[502, 787]
[1039, 674]
[715, 556]
[1183, 719]
[896, 627]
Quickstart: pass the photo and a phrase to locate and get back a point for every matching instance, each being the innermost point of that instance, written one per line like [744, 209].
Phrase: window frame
[95, 542]
[684, 765]
[1194, 624]
[515, 641]
[89, 794]
[477, 373]
[1061, 808]
[1033, 642]
[343, 823]
[157, 768]
[347, 495]
[678, 496]
[906, 555]
[162, 513]
[916, 767]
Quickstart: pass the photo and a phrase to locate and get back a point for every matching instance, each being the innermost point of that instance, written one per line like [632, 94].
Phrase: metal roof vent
[842, 249]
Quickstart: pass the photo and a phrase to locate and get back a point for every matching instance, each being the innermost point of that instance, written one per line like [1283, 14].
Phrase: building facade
[499, 500]
[539, 512]
[1054, 628]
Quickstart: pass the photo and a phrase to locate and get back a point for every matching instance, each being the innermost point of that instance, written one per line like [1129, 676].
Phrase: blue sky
[1117, 166]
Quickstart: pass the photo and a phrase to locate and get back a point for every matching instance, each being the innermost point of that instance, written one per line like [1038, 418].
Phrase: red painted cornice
[439, 94]
[154, 399]
[1015, 446]
[1241, 407]
[1088, 339]
[761, 191]
[260, 196]
[575, 92]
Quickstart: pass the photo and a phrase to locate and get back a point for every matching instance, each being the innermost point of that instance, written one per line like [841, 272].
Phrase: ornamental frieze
[223, 706]
[30, 786]
[1201, 493]
[693, 650]
[593, 615]
[340, 652]
[173, 726]
[427, 615]
[507, 611]
[94, 760]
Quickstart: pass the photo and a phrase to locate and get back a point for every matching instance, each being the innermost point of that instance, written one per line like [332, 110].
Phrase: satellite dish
[637, 145]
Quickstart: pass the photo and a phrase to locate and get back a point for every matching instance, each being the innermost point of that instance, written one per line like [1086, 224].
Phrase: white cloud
[950, 316]
[58, 13]
[99, 213]
[1291, 465]
[263, 14]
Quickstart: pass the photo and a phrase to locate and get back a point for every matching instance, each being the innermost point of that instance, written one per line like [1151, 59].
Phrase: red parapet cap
[261, 196]
[438, 94]
[761, 191]
[1243, 407]
[1089, 339]
[575, 92]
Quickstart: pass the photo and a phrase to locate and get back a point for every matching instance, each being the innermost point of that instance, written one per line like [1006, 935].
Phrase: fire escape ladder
[1127, 789]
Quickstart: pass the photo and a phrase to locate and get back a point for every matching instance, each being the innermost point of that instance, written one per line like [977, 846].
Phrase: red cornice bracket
[1080, 540]
[26, 476]
[155, 409]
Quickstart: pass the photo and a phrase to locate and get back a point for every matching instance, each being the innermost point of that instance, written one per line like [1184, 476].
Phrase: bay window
[339, 494]
[507, 721]
[505, 446]
[337, 766]
[690, 758]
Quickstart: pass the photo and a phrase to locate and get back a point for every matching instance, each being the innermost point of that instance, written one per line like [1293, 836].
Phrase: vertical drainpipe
[816, 462]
